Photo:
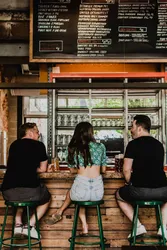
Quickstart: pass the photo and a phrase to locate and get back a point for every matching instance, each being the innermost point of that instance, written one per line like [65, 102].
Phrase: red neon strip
[110, 75]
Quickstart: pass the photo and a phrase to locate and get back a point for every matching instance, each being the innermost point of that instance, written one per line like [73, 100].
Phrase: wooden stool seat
[73, 238]
[29, 243]
[147, 204]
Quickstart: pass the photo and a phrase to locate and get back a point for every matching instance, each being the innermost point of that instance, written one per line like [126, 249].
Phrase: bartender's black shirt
[148, 158]
[24, 158]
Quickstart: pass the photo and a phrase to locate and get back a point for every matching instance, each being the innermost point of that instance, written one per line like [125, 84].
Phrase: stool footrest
[142, 237]
[149, 243]
[146, 236]
[87, 243]
[19, 244]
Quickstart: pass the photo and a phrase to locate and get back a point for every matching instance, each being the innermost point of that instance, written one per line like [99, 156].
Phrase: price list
[87, 29]
[94, 35]
[134, 15]
[51, 19]
[162, 25]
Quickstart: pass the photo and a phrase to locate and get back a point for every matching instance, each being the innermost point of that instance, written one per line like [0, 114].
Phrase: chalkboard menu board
[98, 30]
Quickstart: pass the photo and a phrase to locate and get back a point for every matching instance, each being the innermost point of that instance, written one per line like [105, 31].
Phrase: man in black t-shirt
[143, 171]
[27, 157]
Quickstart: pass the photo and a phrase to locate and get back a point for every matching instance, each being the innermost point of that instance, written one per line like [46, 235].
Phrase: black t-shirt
[24, 158]
[148, 157]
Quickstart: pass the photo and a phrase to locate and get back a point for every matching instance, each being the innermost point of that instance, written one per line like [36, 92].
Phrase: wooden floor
[117, 248]
[143, 248]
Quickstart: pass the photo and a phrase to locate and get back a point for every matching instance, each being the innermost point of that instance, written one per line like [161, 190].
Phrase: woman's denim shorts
[87, 189]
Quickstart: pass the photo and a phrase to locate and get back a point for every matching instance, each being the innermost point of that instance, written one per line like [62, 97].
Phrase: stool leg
[3, 227]
[28, 224]
[37, 228]
[134, 225]
[13, 225]
[100, 228]
[159, 217]
[74, 229]
[158, 222]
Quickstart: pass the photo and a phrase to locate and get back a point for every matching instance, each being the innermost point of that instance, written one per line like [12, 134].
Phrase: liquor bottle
[55, 162]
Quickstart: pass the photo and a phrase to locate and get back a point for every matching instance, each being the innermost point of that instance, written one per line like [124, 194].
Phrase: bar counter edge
[67, 175]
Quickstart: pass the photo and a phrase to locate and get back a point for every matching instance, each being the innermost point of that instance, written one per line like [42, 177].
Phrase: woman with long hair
[88, 159]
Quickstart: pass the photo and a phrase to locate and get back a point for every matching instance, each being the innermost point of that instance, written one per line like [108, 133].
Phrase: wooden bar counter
[115, 225]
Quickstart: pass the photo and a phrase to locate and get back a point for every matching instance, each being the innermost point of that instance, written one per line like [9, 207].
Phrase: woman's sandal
[52, 219]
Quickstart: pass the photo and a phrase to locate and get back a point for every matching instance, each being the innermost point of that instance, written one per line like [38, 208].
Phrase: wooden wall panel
[14, 31]
[14, 4]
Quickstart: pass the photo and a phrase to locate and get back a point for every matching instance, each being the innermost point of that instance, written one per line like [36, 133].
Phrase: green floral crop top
[98, 156]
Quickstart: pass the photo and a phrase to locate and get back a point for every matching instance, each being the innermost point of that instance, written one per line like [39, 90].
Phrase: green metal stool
[157, 206]
[72, 239]
[29, 243]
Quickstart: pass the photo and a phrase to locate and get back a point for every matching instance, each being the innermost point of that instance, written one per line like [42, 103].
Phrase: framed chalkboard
[98, 31]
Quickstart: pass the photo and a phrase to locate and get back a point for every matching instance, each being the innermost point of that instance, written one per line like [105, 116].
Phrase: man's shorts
[22, 194]
[130, 193]
[87, 189]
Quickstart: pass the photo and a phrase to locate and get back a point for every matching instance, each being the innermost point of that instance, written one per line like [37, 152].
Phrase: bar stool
[29, 243]
[72, 239]
[147, 204]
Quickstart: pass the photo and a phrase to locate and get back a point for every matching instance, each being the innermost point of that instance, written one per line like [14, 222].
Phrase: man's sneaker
[160, 232]
[140, 230]
[18, 230]
[33, 232]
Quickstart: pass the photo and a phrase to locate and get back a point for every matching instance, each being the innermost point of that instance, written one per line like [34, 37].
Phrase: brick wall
[12, 120]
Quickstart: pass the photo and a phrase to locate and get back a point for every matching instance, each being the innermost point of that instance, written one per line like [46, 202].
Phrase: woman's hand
[103, 169]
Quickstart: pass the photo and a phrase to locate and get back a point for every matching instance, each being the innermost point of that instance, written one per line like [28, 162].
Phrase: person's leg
[18, 218]
[82, 216]
[41, 210]
[161, 194]
[164, 214]
[65, 204]
[57, 215]
[126, 208]
[18, 221]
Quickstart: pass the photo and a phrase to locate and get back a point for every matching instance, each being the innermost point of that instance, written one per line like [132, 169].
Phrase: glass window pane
[35, 105]
[73, 102]
[62, 103]
[142, 102]
[116, 102]
[42, 126]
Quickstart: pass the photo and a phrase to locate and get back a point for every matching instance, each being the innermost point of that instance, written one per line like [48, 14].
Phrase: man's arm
[73, 170]
[43, 167]
[127, 168]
